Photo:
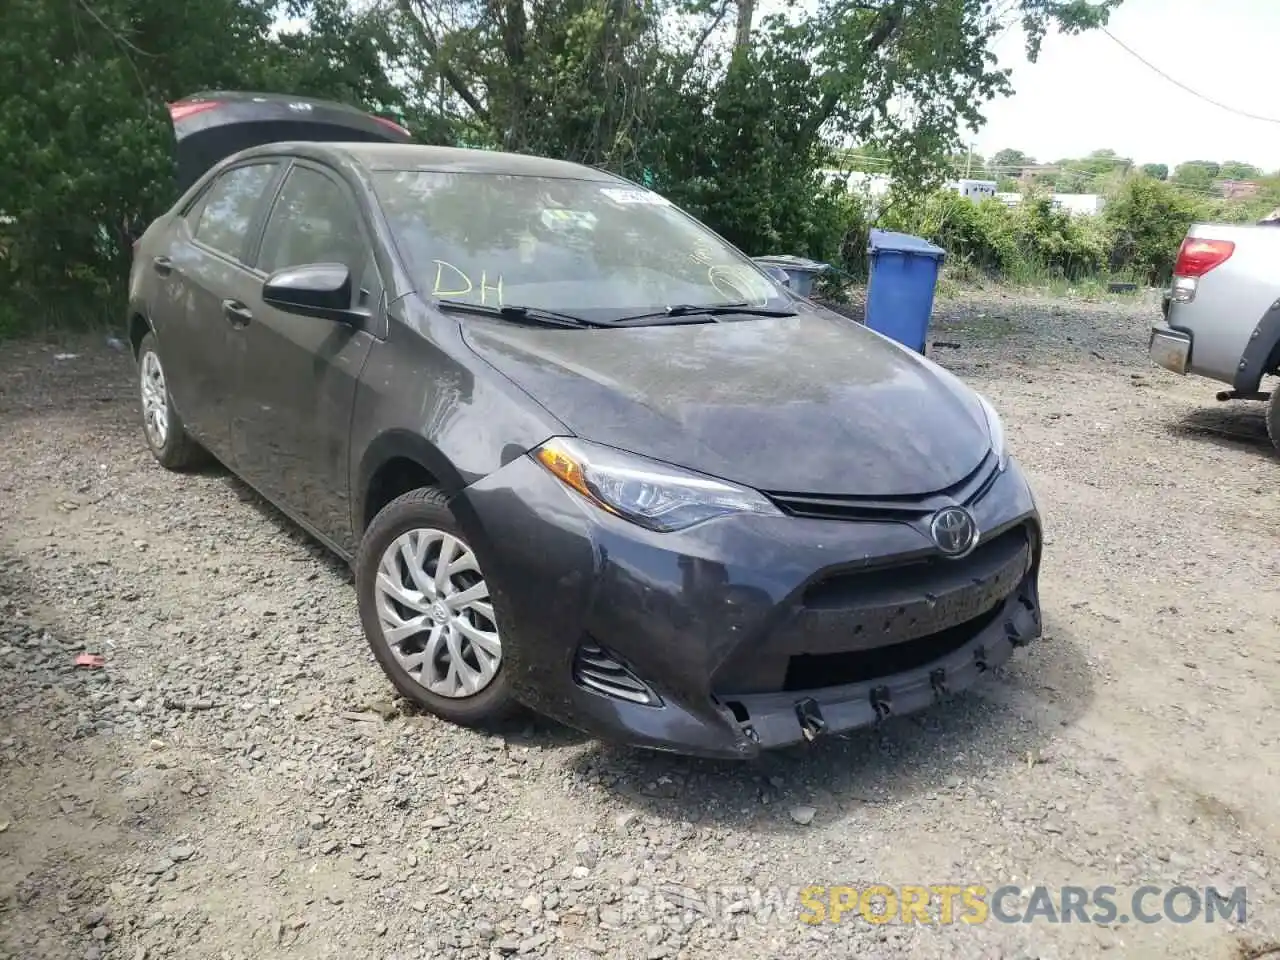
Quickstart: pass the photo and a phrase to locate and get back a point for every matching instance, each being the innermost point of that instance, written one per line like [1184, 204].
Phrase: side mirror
[321, 290]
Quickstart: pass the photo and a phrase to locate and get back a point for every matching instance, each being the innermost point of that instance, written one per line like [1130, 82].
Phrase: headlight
[996, 429]
[651, 494]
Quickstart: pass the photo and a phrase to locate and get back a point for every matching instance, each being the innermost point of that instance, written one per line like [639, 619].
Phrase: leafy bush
[1149, 218]
[1066, 245]
[1030, 238]
[979, 235]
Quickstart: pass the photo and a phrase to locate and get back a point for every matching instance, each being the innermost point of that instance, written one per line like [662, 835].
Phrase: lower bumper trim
[780, 719]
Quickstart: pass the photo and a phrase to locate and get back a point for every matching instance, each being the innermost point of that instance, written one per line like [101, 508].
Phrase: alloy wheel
[155, 399]
[435, 613]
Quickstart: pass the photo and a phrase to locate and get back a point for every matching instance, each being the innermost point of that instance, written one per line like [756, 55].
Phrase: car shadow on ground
[1009, 719]
[332, 564]
[1238, 425]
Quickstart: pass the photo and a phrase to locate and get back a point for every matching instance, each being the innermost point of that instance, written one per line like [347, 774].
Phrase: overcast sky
[1086, 93]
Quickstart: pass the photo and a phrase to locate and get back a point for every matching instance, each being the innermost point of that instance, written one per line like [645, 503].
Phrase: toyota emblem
[954, 531]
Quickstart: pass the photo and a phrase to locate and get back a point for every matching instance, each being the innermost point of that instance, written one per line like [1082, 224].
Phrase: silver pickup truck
[1222, 313]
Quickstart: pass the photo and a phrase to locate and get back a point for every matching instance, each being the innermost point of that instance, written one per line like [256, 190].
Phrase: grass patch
[960, 278]
[59, 319]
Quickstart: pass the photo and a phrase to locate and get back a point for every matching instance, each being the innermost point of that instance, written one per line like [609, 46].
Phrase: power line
[1178, 83]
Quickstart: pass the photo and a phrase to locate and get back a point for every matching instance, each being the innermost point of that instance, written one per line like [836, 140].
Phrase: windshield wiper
[694, 311]
[518, 314]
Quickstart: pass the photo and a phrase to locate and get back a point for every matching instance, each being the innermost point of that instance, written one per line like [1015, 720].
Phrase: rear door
[203, 273]
[297, 375]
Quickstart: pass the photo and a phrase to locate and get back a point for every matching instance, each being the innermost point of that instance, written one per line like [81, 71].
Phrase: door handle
[237, 314]
[162, 265]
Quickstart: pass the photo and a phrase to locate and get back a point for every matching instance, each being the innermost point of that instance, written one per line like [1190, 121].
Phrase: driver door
[291, 417]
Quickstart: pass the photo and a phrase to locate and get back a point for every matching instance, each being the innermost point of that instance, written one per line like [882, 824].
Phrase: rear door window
[314, 220]
[228, 210]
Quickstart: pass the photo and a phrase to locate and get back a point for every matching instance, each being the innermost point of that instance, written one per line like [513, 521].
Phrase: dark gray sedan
[583, 454]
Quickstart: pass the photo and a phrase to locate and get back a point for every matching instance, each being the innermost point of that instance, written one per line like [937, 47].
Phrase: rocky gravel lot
[238, 781]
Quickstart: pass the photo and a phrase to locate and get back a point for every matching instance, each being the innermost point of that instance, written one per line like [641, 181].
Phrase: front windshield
[600, 249]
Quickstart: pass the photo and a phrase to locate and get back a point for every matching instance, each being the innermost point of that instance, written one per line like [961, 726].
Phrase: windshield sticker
[452, 282]
[636, 195]
[560, 220]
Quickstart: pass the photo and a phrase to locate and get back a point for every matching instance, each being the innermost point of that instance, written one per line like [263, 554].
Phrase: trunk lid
[211, 126]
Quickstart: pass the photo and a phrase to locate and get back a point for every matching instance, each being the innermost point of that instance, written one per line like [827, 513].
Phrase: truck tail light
[1197, 256]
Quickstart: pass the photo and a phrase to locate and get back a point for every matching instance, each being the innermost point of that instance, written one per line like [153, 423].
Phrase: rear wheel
[168, 439]
[427, 614]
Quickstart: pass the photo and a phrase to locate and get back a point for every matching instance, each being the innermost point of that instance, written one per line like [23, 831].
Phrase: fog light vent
[596, 670]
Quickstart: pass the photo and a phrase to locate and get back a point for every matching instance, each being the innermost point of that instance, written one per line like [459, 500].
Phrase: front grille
[595, 669]
[871, 621]
[886, 509]
[1010, 550]
[815, 671]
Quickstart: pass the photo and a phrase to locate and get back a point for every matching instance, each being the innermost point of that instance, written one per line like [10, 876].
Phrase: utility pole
[968, 163]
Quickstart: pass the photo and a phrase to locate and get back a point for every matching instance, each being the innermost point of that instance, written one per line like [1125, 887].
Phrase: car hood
[804, 404]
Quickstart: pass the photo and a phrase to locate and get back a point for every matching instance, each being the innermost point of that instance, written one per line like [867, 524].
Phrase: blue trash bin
[904, 274]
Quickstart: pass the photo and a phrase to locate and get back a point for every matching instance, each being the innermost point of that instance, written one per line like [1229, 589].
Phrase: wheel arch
[138, 327]
[1262, 353]
[394, 463]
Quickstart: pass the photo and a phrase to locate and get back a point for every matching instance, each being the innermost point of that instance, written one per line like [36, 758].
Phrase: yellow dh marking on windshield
[457, 275]
[485, 287]
[454, 282]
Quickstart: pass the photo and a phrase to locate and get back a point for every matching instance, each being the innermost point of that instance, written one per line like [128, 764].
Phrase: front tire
[167, 437]
[427, 612]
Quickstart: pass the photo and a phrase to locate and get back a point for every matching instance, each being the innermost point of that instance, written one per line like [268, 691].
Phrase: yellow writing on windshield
[485, 287]
[454, 282]
[738, 283]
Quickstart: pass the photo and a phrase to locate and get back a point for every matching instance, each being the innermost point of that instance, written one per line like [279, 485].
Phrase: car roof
[414, 156]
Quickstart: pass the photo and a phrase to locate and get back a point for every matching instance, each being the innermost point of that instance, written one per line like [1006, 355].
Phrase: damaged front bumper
[745, 633]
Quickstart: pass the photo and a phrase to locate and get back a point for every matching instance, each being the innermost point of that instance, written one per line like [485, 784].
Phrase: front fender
[424, 396]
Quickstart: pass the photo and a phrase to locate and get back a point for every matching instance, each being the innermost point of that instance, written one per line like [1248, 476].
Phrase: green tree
[1235, 170]
[1098, 172]
[85, 144]
[1010, 159]
[731, 116]
[1007, 166]
[1157, 171]
[1196, 174]
[1149, 218]
[865, 158]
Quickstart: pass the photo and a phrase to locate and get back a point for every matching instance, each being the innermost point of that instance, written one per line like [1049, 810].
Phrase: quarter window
[229, 208]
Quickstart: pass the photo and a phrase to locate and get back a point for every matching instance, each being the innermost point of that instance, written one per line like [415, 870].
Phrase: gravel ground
[238, 781]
